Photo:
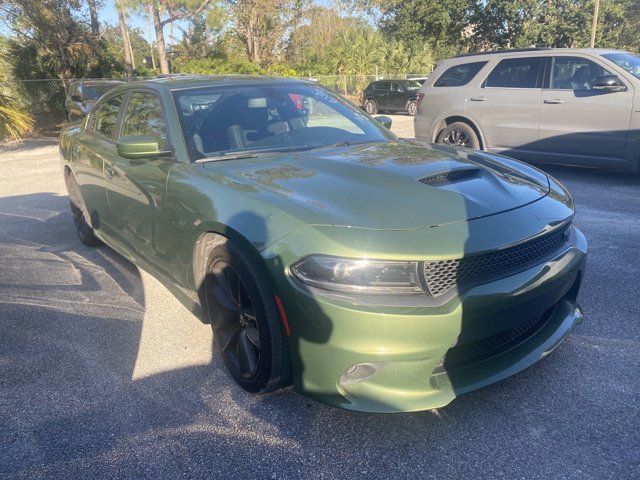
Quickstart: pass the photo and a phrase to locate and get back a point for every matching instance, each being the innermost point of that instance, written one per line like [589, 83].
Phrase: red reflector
[420, 97]
[283, 315]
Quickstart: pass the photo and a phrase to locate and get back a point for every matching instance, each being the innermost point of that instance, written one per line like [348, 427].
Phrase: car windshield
[94, 92]
[224, 120]
[628, 61]
[411, 86]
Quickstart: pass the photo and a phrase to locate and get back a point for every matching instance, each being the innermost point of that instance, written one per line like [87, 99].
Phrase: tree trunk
[124, 31]
[153, 59]
[93, 14]
[162, 48]
[594, 24]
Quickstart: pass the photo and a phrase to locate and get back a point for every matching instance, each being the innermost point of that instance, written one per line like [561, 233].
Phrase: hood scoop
[451, 176]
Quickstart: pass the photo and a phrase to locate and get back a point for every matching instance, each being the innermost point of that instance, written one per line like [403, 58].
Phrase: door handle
[554, 102]
[478, 99]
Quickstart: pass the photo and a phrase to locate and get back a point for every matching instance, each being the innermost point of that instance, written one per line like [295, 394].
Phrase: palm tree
[14, 123]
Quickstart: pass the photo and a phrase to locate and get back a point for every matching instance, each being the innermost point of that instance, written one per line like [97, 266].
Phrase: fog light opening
[360, 372]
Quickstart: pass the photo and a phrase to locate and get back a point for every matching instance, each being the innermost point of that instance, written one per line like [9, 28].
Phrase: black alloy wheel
[459, 134]
[245, 319]
[237, 328]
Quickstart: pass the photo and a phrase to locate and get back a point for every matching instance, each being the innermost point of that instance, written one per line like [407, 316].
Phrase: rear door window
[384, 86]
[106, 116]
[459, 75]
[517, 73]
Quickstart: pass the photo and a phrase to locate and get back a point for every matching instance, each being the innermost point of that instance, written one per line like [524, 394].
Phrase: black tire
[459, 134]
[371, 106]
[240, 304]
[79, 211]
[412, 108]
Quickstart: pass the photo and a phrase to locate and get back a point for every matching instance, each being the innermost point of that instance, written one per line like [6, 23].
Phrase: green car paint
[355, 201]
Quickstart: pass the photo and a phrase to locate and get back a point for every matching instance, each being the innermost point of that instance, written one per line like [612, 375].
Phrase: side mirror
[384, 121]
[139, 146]
[609, 83]
[76, 98]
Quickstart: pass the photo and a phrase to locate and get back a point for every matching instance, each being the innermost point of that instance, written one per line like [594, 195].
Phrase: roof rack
[513, 50]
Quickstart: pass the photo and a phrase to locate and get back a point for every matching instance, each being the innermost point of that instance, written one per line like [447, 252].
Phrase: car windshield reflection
[220, 120]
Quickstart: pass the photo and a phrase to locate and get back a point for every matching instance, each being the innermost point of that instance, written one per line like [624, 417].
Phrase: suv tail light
[419, 100]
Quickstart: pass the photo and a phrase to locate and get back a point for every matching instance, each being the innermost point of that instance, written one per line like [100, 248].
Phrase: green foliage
[439, 24]
[364, 51]
[215, 66]
[14, 122]
[112, 40]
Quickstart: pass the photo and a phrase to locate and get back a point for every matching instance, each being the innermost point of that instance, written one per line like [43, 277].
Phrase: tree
[174, 10]
[93, 15]
[124, 31]
[443, 25]
[57, 32]
[262, 25]
[309, 44]
[14, 123]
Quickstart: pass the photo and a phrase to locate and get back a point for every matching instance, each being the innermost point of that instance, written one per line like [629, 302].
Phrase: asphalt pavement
[104, 374]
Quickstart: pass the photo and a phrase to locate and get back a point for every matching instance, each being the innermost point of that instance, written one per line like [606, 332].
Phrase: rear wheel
[459, 134]
[80, 215]
[245, 320]
[371, 107]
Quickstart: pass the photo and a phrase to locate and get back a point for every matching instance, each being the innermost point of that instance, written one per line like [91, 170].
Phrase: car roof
[180, 82]
[98, 82]
[482, 55]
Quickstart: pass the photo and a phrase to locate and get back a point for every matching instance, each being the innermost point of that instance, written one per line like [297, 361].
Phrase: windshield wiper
[228, 156]
[331, 145]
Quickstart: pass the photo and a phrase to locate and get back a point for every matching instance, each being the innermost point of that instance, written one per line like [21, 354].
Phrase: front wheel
[245, 319]
[459, 134]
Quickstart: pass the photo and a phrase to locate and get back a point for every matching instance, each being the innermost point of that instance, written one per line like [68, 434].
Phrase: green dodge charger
[372, 273]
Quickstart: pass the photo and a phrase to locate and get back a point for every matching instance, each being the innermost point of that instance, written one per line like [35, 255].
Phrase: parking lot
[104, 373]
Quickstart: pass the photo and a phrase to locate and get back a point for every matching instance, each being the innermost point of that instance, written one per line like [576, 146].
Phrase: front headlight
[357, 275]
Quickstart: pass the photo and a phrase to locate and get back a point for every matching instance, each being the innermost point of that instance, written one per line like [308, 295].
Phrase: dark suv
[392, 96]
[82, 94]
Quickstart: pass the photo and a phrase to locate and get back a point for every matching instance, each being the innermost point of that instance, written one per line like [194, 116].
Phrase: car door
[137, 187]
[382, 95]
[94, 146]
[397, 97]
[506, 105]
[575, 119]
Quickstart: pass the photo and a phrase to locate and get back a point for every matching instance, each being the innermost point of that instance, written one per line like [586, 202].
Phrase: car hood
[397, 185]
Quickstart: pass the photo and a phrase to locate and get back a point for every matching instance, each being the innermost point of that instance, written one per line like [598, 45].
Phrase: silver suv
[579, 106]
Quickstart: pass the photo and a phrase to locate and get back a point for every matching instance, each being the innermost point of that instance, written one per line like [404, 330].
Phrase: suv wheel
[412, 108]
[459, 134]
[371, 107]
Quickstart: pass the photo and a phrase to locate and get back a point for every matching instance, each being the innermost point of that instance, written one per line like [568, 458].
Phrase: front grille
[443, 275]
[473, 352]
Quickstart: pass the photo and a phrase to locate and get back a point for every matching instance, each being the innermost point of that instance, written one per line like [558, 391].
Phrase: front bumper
[391, 360]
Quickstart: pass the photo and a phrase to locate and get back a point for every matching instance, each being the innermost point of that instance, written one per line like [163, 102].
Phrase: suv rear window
[517, 73]
[459, 75]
